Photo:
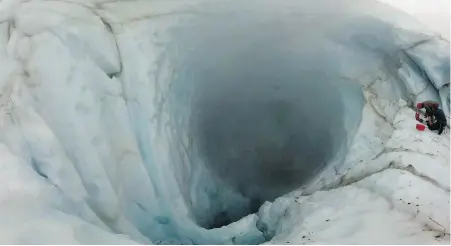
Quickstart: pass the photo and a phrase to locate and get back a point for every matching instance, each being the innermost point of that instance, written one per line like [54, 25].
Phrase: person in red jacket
[436, 119]
[431, 108]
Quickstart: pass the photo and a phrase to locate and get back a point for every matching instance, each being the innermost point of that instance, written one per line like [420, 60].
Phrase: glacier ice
[229, 122]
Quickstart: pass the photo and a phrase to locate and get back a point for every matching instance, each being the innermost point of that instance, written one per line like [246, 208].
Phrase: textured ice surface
[150, 121]
[399, 196]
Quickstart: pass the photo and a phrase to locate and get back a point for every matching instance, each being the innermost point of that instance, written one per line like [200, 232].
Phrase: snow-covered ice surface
[100, 141]
[400, 196]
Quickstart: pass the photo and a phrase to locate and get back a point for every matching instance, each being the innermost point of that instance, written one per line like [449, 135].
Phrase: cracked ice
[198, 122]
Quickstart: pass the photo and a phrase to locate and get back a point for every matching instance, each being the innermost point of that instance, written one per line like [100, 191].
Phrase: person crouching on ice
[436, 119]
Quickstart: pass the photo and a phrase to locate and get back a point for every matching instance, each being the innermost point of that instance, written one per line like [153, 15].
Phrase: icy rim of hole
[112, 99]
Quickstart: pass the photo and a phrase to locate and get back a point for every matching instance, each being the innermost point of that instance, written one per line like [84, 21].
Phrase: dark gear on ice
[438, 121]
[435, 117]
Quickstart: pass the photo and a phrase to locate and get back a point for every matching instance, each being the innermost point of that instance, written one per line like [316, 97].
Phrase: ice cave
[220, 122]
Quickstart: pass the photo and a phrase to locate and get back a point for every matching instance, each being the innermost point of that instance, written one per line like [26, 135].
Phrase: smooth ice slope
[152, 121]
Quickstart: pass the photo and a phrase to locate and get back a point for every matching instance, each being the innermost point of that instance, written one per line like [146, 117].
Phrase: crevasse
[227, 122]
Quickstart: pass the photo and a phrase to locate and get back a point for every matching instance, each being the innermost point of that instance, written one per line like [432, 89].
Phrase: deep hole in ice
[263, 128]
[210, 110]
[263, 117]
